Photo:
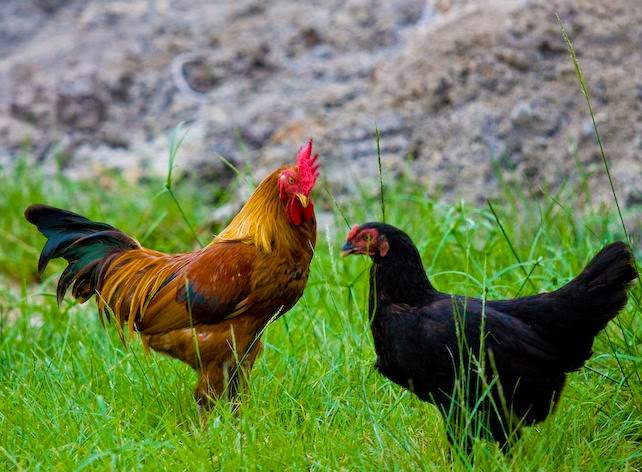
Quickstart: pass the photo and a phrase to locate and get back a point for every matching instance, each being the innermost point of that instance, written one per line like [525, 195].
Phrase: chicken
[438, 345]
[207, 308]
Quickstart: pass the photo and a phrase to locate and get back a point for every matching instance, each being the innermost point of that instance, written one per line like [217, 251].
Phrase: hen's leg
[458, 435]
[505, 436]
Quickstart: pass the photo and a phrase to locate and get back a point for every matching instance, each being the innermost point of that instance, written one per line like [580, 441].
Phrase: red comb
[308, 167]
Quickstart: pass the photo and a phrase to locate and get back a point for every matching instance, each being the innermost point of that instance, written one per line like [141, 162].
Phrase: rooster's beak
[303, 199]
[347, 249]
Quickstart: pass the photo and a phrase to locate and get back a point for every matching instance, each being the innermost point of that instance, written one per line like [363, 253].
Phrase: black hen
[511, 372]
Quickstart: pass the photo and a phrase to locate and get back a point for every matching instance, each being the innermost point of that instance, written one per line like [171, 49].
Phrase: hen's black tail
[571, 316]
[85, 244]
[588, 302]
[600, 290]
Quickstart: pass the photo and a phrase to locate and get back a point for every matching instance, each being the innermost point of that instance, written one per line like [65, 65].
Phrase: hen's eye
[290, 180]
[367, 237]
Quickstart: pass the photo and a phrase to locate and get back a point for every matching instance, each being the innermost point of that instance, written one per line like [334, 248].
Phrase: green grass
[72, 397]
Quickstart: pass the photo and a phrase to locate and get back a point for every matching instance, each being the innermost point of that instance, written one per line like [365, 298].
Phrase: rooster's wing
[156, 293]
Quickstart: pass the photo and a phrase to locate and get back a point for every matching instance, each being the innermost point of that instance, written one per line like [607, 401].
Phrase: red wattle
[294, 211]
[308, 212]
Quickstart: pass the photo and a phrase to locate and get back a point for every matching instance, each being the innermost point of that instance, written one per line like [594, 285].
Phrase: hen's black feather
[432, 343]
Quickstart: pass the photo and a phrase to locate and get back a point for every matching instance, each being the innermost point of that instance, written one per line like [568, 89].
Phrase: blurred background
[467, 95]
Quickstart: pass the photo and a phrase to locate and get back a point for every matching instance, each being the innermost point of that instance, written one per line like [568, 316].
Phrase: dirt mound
[460, 90]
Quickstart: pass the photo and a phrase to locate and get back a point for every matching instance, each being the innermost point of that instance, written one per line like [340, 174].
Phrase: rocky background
[461, 90]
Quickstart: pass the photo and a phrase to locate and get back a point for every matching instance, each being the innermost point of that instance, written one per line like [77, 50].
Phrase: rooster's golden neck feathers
[262, 221]
[279, 213]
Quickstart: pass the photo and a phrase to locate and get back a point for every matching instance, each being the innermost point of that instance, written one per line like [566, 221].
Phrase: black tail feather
[573, 315]
[85, 244]
[600, 291]
[587, 303]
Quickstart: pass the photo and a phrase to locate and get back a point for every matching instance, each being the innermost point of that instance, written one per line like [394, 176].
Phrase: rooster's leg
[225, 378]
[215, 354]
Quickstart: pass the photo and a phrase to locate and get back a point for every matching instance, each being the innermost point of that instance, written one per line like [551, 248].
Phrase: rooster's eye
[367, 237]
[290, 180]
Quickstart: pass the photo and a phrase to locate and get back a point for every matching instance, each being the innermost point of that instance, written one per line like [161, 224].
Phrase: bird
[207, 308]
[491, 367]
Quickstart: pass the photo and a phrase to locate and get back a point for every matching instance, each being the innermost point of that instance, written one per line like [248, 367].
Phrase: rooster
[207, 308]
[434, 344]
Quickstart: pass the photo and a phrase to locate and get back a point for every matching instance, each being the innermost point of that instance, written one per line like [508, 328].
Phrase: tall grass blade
[338, 207]
[587, 98]
[174, 144]
[510, 244]
[381, 189]
[236, 170]
[582, 82]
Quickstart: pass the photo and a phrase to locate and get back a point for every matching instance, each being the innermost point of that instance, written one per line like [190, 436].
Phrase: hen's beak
[303, 199]
[347, 249]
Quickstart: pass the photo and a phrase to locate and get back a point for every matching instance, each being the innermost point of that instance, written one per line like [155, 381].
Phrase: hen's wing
[530, 367]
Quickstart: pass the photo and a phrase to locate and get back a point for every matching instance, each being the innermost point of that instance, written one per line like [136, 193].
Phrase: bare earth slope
[461, 86]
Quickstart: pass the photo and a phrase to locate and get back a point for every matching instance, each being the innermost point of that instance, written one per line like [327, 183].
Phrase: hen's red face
[296, 183]
[366, 241]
